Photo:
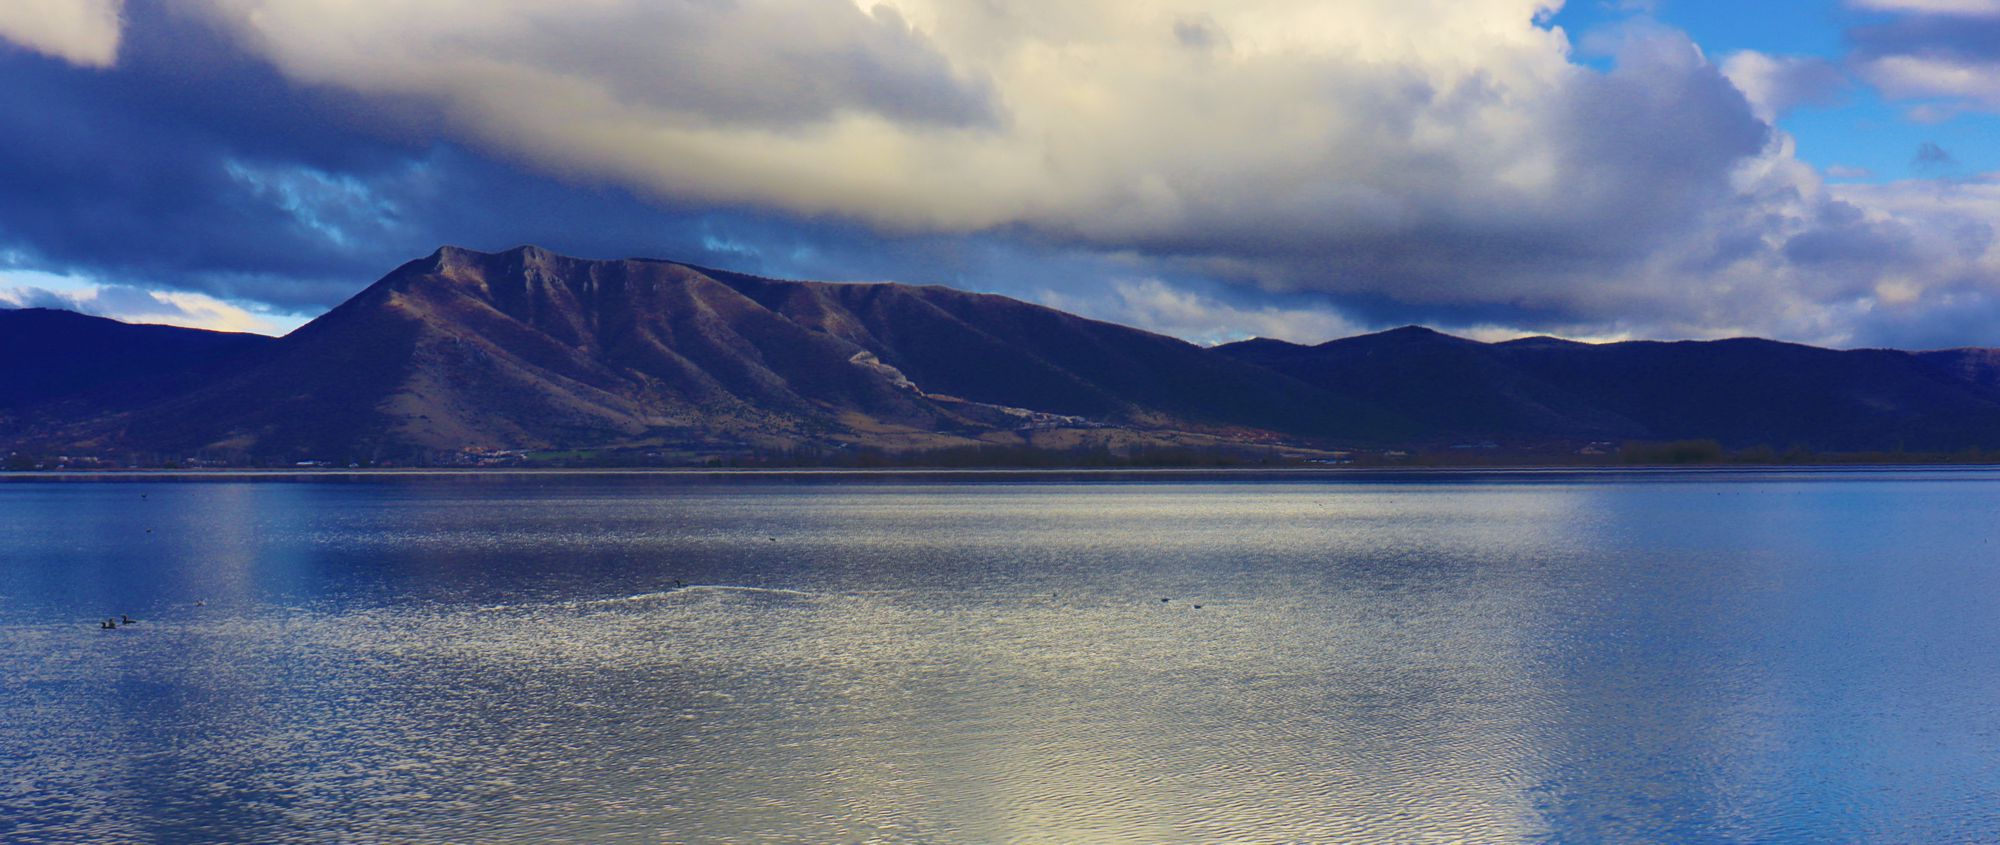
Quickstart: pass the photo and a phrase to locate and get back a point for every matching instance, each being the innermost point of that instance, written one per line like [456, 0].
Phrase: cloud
[1155, 305]
[1973, 83]
[1972, 8]
[1938, 50]
[624, 66]
[1777, 84]
[135, 305]
[1444, 155]
[1200, 33]
[195, 166]
[1294, 167]
[1930, 155]
[1097, 121]
[1942, 268]
[81, 32]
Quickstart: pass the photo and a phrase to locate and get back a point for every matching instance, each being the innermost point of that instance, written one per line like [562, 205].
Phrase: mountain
[466, 353]
[1444, 387]
[1746, 392]
[48, 355]
[1978, 366]
[1741, 392]
[526, 349]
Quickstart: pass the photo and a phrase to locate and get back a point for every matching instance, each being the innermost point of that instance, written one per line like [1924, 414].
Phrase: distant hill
[1742, 392]
[47, 354]
[466, 352]
[1978, 366]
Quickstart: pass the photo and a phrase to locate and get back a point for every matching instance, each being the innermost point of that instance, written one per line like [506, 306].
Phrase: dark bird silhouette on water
[107, 625]
[125, 620]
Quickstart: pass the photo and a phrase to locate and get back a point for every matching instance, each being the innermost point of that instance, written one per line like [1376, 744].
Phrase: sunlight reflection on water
[1622, 659]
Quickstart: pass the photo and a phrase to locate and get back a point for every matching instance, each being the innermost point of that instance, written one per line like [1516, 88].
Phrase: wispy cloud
[1154, 305]
[1975, 8]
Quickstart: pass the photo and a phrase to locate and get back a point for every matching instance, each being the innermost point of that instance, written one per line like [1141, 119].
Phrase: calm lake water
[1640, 657]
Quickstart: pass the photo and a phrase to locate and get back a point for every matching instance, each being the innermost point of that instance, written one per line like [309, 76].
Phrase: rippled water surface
[1650, 657]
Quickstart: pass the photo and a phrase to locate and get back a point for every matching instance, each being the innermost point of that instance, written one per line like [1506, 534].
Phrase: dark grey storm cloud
[193, 166]
[196, 167]
[127, 173]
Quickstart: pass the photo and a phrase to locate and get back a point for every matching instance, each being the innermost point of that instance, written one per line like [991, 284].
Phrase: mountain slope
[527, 349]
[1446, 387]
[47, 355]
[524, 349]
[1740, 392]
[1978, 366]
[997, 350]
[1747, 392]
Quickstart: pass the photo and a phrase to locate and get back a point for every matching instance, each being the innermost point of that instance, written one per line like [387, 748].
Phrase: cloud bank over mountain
[1366, 162]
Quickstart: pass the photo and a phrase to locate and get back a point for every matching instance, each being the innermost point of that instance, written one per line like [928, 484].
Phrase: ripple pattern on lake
[1790, 660]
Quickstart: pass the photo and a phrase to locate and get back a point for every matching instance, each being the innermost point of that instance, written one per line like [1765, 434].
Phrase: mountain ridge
[1739, 391]
[465, 351]
[64, 353]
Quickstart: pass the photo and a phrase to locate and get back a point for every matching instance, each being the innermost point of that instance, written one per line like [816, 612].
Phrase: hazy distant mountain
[525, 349]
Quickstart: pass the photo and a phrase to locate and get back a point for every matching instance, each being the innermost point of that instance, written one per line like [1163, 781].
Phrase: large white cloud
[82, 32]
[963, 114]
[1442, 153]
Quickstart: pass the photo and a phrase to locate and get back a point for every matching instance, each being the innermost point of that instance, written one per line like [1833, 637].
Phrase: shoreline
[884, 472]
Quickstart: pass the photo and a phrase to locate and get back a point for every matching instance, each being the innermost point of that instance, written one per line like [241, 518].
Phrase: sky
[1821, 171]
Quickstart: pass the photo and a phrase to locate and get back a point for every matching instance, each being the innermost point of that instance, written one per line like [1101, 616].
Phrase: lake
[1700, 656]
